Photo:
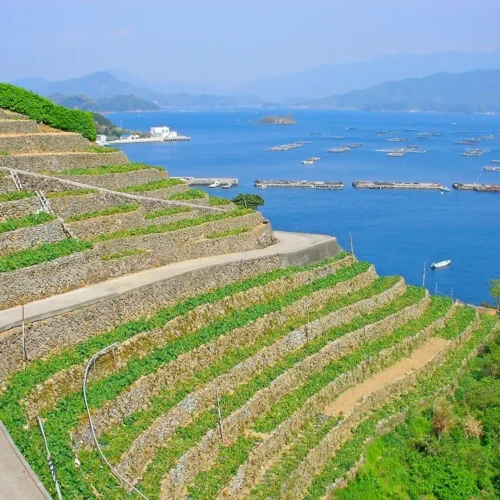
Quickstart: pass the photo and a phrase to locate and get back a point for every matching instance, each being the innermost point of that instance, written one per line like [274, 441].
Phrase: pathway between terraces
[300, 244]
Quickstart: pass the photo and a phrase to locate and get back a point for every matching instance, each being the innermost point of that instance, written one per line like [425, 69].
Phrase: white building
[101, 139]
[162, 133]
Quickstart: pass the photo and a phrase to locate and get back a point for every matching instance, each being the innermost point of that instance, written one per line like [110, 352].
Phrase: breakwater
[492, 169]
[300, 184]
[486, 188]
[207, 181]
[395, 185]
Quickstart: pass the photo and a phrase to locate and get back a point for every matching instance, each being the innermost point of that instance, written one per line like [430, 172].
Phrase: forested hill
[106, 104]
[471, 92]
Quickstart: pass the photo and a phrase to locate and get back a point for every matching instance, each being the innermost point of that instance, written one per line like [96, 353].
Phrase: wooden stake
[221, 429]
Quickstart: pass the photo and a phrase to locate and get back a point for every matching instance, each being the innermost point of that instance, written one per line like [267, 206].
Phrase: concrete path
[294, 248]
[17, 479]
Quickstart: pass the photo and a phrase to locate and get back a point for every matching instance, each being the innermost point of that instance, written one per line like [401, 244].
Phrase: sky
[230, 42]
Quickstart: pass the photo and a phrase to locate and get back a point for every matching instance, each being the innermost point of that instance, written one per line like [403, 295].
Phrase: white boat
[264, 186]
[214, 184]
[229, 185]
[439, 265]
[315, 158]
[307, 162]
[445, 189]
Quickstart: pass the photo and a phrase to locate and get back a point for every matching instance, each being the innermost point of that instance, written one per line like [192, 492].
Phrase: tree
[495, 291]
[249, 201]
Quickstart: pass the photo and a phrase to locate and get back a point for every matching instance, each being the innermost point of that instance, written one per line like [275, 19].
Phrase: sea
[401, 232]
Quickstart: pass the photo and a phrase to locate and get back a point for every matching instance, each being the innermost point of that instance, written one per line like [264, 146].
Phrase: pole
[52, 468]
[423, 278]
[352, 245]
[221, 429]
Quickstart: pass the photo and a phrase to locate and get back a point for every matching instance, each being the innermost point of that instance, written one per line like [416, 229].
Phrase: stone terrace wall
[26, 237]
[165, 193]
[59, 332]
[63, 141]
[51, 163]
[118, 181]
[6, 183]
[10, 126]
[19, 208]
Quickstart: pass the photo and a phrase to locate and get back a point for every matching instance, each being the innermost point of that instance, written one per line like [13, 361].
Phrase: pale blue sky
[228, 42]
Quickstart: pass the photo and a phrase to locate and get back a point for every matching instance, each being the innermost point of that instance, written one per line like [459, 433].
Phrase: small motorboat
[445, 189]
[229, 185]
[214, 184]
[264, 186]
[440, 265]
[307, 162]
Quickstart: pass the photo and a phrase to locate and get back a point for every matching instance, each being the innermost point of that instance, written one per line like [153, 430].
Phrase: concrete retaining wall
[39, 142]
[51, 163]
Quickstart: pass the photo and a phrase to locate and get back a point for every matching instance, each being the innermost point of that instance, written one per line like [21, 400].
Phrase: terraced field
[230, 393]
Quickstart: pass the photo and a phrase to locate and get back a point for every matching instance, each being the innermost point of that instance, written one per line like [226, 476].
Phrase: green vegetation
[42, 110]
[114, 209]
[152, 186]
[190, 194]
[4, 152]
[70, 192]
[40, 254]
[229, 232]
[125, 253]
[217, 202]
[16, 195]
[116, 104]
[106, 169]
[101, 149]
[165, 212]
[249, 201]
[171, 226]
[495, 291]
[29, 220]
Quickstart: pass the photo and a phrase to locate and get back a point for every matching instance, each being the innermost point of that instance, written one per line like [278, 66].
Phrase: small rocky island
[277, 120]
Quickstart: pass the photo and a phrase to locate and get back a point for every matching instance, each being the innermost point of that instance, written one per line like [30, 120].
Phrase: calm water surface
[399, 230]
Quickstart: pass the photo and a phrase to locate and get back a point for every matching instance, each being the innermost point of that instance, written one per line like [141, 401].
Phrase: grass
[165, 212]
[217, 202]
[190, 194]
[100, 149]
[125, 253]
[152, 186]
[115, 209]
[70, 192]
[229, 232]
[42, 253]
[28, 221]
[16, 195]
[107, 169]
[172, 226]
[4, 153]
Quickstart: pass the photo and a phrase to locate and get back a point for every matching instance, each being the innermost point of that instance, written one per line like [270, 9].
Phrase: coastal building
[163, 133]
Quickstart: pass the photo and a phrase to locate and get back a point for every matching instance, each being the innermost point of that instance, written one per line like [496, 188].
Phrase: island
[277, 120]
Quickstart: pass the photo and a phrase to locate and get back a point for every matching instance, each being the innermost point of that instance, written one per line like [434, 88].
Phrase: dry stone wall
[6, 183]
[40, 142]
[167, 192]
[26, 237]
[18, 208]
[52, 163]
[17, 126]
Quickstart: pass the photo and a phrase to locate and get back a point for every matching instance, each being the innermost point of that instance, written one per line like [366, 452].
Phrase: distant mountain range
[470, 92]
[331, 79]
[119, 103]
[103, 85]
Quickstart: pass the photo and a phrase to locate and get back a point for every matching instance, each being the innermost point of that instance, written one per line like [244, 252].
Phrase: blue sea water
[398, 230]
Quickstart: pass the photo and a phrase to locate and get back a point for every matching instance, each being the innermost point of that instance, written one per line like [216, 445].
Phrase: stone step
[17, 126]
[43, 142]
[54, 162]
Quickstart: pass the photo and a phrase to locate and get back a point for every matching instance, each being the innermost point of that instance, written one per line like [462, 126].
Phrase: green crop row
[107, 169]
[165, 212]
[207, 479]
[348, 455]
[121, 438]
[152, 186]
[100, 149]
[69, 410]
[171, 226]
[115, 209]
[41, 109]
[28, 221]
[229, 232]
[190, 194]
[463, 317]
[41, 253]
[15, 195]
[217, 202]
[70, 192]
[125, 253]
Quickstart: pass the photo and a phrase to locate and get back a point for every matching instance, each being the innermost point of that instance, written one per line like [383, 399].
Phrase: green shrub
[29, 220]
[152, 186]
[41, 109]
[16, 195]
[217, 202]
[105, 169]
[125, 253]
[41, 253]
[4, 153]
[164, 212]
[100, 149]
[249, 201]
[229, 232]
[190, 194]
[115, 209]
[70, 192]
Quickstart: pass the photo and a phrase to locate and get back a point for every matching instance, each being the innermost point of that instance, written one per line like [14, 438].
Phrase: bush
[41, 109]
[249, 201]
